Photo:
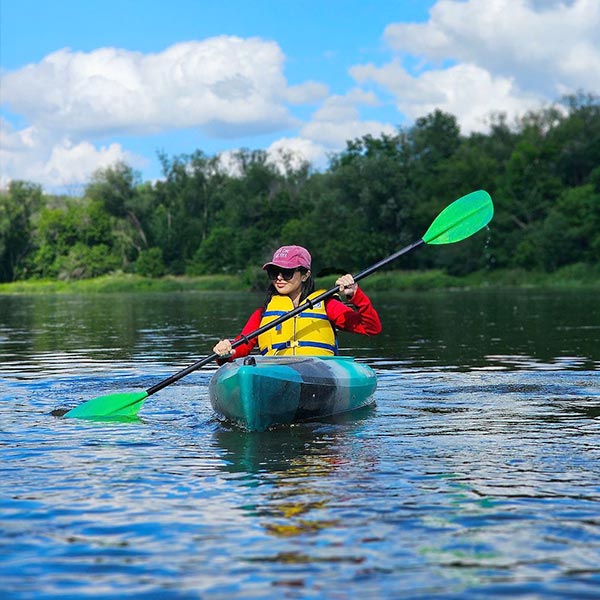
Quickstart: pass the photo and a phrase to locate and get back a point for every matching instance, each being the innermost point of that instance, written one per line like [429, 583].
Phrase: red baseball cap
[290, 257]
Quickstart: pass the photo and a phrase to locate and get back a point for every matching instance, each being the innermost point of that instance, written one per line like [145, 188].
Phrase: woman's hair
[308, 287]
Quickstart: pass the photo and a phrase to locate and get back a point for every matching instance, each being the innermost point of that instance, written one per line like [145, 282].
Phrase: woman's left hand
[347, 285]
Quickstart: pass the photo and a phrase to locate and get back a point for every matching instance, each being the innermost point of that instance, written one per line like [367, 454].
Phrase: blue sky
[87, 83]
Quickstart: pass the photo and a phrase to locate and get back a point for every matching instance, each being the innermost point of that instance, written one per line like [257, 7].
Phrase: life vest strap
[302, 315]
[294, 344]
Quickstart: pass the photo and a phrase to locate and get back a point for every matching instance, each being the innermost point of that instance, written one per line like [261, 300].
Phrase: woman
[313, 331]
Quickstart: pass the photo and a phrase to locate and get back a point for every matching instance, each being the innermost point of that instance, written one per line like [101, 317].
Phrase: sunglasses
[287, 274]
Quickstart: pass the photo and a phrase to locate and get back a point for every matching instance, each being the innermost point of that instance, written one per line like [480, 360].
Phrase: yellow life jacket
[309, 333]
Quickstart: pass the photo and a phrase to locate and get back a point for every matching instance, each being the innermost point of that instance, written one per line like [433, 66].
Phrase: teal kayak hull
[257, 393]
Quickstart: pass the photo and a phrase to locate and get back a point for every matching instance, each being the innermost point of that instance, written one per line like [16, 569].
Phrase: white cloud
[307, 93]
[224, 80]
[335, 122]
[225, 86]
[296, 152]
[331, 126]
[338, 120]
[538, 47]
[73, 163]
[33, 155]
[466, 91]
[483, 56]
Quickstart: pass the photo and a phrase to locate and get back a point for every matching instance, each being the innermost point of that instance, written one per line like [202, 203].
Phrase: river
[476, 474]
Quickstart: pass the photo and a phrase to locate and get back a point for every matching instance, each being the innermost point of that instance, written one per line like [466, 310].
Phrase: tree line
[376, 196]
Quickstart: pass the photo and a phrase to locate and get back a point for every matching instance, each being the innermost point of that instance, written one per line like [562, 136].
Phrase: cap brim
[274, 264]
[284, 266]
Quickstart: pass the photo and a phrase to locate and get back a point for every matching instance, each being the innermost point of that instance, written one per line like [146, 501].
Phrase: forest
[376, 196]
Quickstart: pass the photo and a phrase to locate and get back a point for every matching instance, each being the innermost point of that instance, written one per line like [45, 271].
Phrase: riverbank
[578, 275]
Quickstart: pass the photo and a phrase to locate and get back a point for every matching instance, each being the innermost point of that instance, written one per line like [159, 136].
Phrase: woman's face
[286, 281]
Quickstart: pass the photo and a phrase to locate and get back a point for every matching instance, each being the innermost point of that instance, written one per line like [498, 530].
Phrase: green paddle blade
[461, 219]
[113, 406]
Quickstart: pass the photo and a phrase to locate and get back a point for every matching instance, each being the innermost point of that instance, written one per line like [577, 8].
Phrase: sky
[86, 84]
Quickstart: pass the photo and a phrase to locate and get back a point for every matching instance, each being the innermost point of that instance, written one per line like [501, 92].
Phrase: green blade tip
[111, 406]
[461, 219]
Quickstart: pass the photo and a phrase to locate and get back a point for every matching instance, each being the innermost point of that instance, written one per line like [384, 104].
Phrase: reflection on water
[476, 329]
[282, 448]
[476, 475]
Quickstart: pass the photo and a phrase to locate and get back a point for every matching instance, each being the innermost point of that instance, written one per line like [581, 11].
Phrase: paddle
[459, 220]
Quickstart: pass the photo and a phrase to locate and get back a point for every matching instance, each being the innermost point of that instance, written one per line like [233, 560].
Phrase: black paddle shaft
[307, 304]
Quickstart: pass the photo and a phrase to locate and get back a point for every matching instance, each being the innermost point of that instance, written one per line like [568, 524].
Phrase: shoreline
[572, 276]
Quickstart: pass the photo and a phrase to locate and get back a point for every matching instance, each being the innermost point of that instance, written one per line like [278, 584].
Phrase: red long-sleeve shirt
[360, 318]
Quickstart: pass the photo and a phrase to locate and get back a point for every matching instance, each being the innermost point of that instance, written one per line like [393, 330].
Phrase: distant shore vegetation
[201, 227]
[573, 276]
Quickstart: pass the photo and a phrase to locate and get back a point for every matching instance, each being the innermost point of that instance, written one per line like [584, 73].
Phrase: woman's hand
[223, 349]
[347, 285]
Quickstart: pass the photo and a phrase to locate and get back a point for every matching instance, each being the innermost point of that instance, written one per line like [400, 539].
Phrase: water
[476, 475]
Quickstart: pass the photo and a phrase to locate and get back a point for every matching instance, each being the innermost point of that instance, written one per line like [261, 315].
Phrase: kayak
[259, 392]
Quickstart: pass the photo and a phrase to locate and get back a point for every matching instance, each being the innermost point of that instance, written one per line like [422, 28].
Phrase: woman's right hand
[223, 349]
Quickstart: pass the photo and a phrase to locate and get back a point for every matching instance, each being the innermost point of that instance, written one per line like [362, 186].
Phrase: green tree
[254, 205]
[216, 254]
[75, 241]
[114, 188]
[83, 262]
[117, 190]
[577, 139]
[17, 209]
[571, 231]
[186, 203]
[150, 263]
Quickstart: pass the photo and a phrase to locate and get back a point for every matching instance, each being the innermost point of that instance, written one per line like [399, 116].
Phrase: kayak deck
[258, 392]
